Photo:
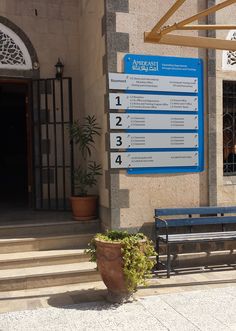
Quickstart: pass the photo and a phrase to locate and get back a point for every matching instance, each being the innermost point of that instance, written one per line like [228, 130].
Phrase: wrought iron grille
[52, 150]
[229, 127]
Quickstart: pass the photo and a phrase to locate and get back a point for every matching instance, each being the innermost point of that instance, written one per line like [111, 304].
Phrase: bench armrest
[158, 219]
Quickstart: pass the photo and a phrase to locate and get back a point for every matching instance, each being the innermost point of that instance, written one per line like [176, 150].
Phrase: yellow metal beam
[189, 41]
[196, 17]
[169, 13]
[207, 27]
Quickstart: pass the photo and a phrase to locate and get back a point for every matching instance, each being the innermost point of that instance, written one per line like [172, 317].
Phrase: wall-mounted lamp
[59, 69]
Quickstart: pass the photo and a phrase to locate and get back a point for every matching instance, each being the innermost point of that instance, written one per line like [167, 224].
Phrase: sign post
[156, 115]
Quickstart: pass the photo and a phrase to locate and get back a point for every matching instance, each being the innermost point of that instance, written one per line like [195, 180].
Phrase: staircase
[42, 264]
[43, 253]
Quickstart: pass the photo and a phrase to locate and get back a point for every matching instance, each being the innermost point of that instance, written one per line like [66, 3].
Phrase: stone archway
[18, 66]
[18, 57]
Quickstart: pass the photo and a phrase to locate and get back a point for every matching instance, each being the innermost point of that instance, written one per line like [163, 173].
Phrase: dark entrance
[36, 156]
[14, 153]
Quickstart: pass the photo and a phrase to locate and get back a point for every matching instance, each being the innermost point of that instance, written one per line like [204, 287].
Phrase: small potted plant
[84, 206]
[124, 262]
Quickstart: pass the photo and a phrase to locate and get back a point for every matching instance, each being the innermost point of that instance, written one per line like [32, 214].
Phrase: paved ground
[194, 299]
[211, 309]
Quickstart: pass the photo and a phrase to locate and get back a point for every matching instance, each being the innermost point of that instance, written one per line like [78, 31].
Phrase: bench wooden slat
[197, 221]
[199, 237]
[197, 210]
[202, 234]
[190, 218]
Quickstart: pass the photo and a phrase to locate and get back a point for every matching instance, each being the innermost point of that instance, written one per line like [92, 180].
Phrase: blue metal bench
[187, 219]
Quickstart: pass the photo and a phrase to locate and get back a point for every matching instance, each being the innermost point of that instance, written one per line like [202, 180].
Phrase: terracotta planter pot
[84, 208]
[110, 265]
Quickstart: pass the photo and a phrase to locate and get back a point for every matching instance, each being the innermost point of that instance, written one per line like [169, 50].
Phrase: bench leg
[168, 261]
[158, 253]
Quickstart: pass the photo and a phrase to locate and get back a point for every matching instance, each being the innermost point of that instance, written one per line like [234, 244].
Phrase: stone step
[46, 276]
[47, 227]
[70, 294]
[42, 243]
[42, 258]
[53, 296]
[203, 258]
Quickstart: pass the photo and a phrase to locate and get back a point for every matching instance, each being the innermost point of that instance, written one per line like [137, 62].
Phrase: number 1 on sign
[118, 101]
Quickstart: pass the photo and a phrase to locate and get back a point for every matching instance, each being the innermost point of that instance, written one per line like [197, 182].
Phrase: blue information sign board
[164, 66]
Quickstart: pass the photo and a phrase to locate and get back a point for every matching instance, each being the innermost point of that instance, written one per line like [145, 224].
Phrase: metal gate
[52, 151]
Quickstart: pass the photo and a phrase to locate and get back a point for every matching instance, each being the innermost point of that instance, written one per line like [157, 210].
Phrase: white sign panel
[153, 102]
[152, 83]
[123, 121]
[153, 140]
[153, 159]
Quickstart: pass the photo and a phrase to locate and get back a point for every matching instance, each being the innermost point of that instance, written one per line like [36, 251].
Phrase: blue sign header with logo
[163, 65]
[173, 67]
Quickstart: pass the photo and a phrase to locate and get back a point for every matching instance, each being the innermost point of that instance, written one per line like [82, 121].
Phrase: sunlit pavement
[211, 309]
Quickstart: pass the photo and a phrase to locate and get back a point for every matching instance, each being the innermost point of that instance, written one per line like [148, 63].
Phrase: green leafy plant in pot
[124, 261]
[84, 206]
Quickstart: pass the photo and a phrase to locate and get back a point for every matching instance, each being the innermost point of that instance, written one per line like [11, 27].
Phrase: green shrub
[137, 251]
[83, 135]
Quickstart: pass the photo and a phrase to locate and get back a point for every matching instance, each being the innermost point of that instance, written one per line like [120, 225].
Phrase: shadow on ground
[158, 281]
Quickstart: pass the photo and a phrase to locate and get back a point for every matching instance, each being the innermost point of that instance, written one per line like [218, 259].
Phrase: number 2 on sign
[118, 122]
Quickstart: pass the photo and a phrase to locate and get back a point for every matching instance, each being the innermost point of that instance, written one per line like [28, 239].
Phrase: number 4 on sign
[118, 160]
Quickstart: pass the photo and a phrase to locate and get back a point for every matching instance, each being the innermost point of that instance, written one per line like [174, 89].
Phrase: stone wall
[133, 197]
[92, 37]
[225, 186]
[93, 85]
[52, 28]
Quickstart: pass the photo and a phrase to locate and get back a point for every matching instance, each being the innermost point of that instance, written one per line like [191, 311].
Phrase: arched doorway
[18, 66]
[15, 174]
[37, 155]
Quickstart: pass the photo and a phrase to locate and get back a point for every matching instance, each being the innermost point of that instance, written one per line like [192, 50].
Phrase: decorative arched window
[229, 57]
[13, 52]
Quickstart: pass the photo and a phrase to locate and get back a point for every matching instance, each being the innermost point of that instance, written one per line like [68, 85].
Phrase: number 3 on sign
[118, 140]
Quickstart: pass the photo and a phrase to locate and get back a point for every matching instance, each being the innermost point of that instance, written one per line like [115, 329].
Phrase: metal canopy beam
[161, 34]
[207, 27]
[189, 41]
[170, 12]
